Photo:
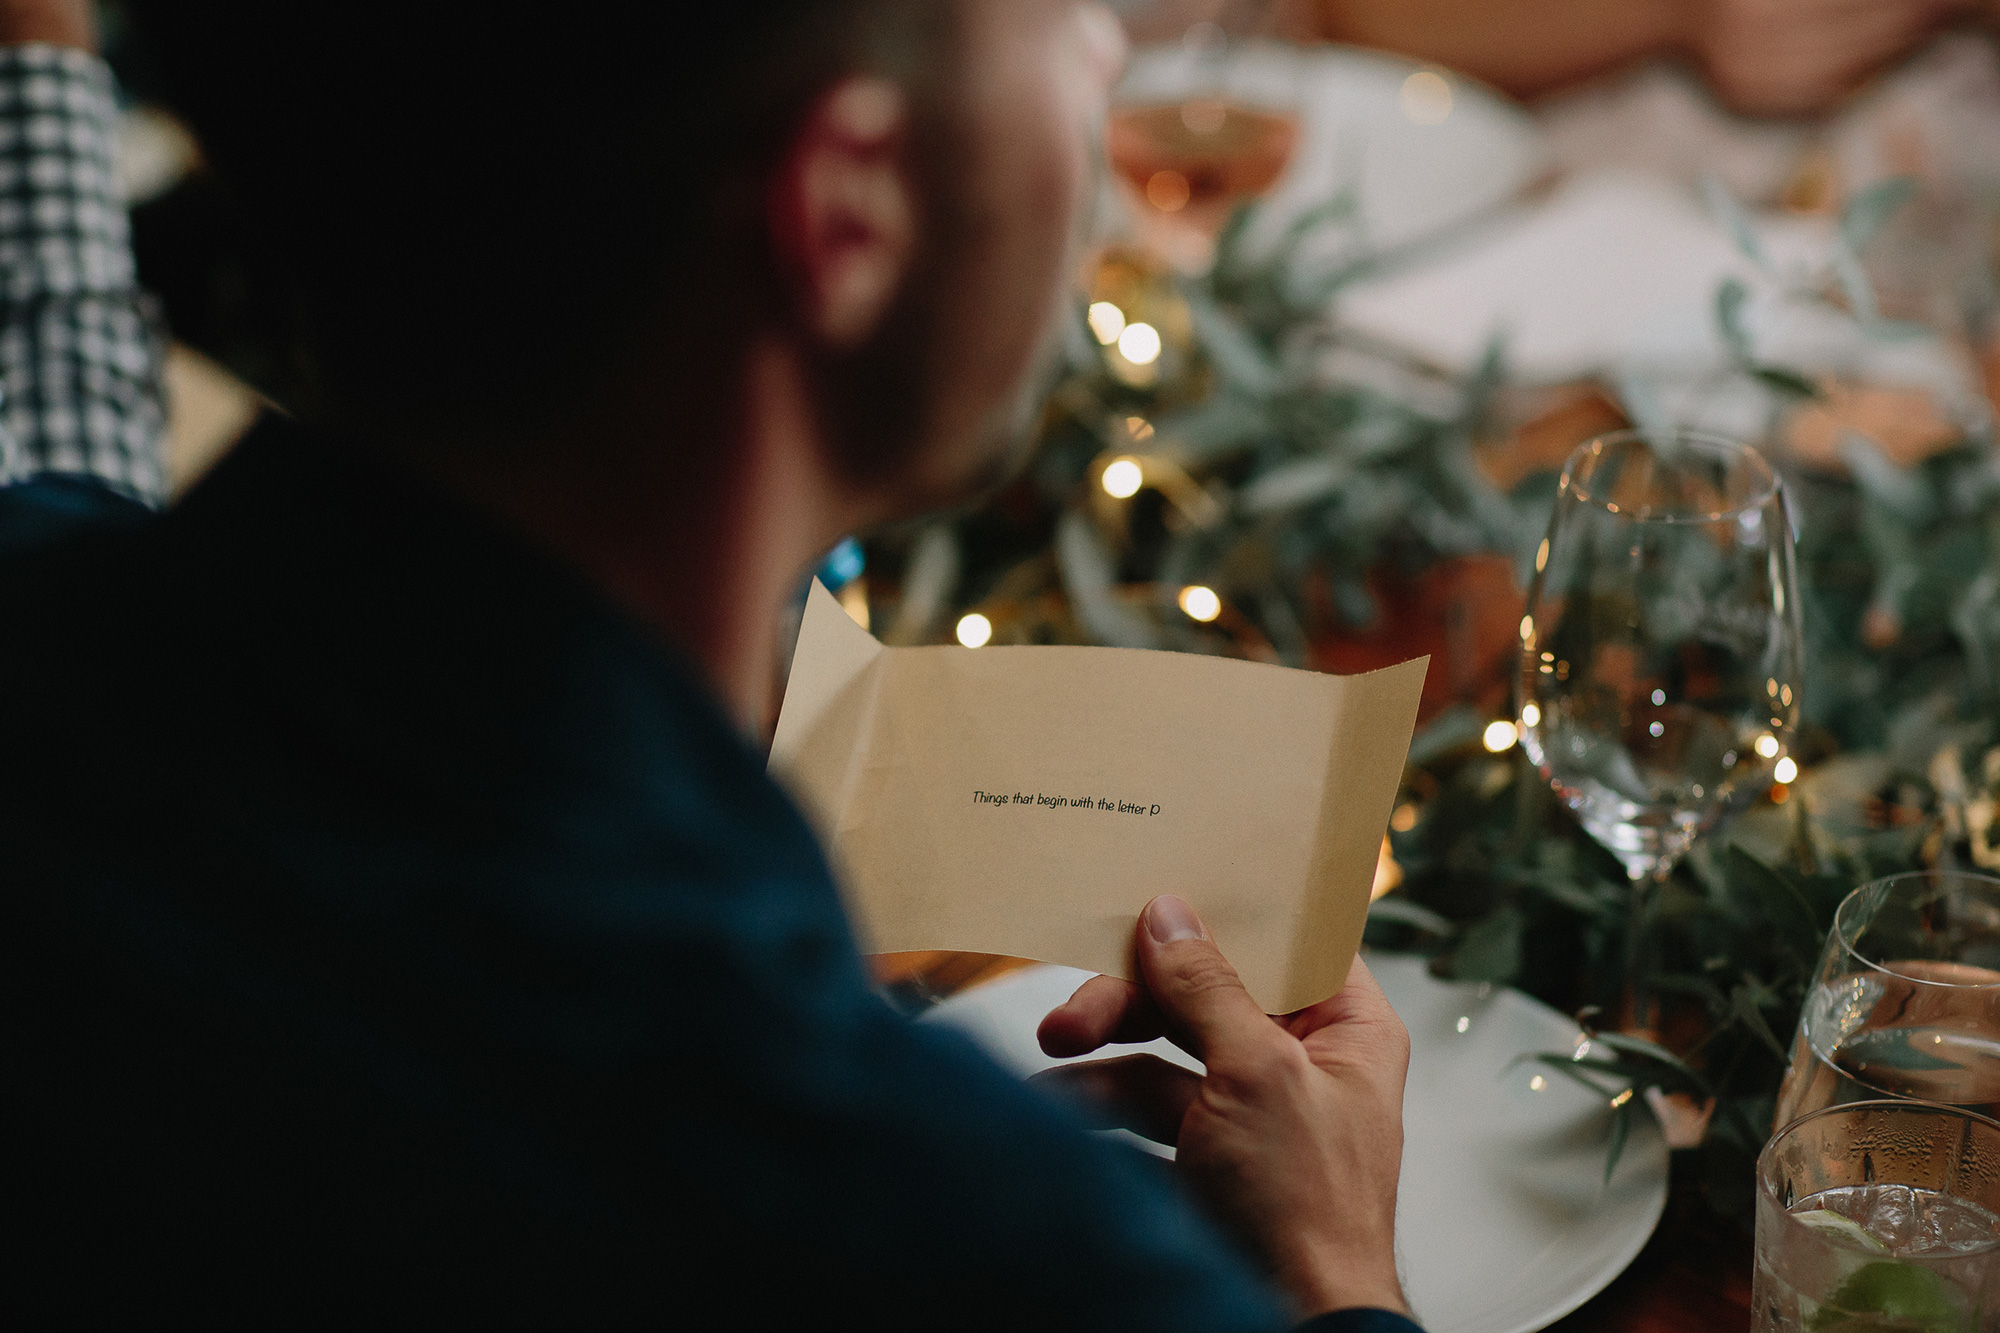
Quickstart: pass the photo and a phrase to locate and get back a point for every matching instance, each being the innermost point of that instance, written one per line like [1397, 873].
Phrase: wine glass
[1205, 119]
[1906, 1002]
[1660, 653]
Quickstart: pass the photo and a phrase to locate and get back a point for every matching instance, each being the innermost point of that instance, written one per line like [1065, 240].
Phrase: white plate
[1504, 1223]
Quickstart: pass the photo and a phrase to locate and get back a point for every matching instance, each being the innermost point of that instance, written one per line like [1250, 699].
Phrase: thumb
[1193, 984]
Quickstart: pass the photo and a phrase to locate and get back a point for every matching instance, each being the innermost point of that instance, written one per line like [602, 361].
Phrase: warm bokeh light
[1404, 819]
[1426, 97]
[974, 630]
[1767, 745]
[1388, 874]
[1531, 715]
[854, 601]
[1200, 603]
[1107, 321]
[1787, 770]
[1140, 344]
[1123, 477]
[1139, 429]
[1168, 191]
[1500, 735]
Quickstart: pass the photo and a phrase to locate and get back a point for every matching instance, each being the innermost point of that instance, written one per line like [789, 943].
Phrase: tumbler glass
[1879, 1216]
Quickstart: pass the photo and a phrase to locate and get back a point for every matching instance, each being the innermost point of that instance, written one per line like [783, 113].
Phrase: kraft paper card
[1029, 801]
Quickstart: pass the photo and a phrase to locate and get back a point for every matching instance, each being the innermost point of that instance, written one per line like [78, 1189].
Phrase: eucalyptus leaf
[1729, 301]
[1234, 352]
[1744, 1007]
[1789, 383]
[1780, 899]
[1354, 602]
[1293, 484]
[1487, 378]
[1854, 283]
[1576, 897]
[1866, 212]
[1089, 579]
[1344, 206]
[1456, 728]
[1639, 1046]
[1901, 492]
[1898, 330]
[1574, 1071]
[1642, 404]
[1491, 949]
[930, 578]
[1621, 1131]
[1230, 256]
[1403, 912]
[1221, 423]
[1698, 986]
[1731, 214]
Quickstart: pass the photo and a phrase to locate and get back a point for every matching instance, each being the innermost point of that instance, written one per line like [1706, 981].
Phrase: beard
[897, 419]
[899, 428]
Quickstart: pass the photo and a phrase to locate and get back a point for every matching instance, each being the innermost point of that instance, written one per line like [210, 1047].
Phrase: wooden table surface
[1692, 1277]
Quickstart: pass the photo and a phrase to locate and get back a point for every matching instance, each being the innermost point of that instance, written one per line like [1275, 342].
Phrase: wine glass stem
[1641, 1016]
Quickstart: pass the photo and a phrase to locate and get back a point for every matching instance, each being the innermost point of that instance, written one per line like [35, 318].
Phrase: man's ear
[844, 211]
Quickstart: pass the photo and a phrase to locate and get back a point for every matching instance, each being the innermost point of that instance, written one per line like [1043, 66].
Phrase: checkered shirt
[80, 347]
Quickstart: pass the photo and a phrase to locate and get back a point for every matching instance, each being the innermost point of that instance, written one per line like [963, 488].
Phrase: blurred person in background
[397, 918]
[1762, 57]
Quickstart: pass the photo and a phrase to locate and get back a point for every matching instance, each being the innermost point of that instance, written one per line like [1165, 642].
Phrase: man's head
[490, 219]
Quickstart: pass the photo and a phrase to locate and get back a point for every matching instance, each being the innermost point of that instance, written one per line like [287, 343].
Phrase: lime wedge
[1835, 1226]
[1915, 1298]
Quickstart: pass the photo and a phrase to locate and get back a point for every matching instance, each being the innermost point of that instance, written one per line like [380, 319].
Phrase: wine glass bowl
[1202, 156]
[1199, 127]
[1906, 1001]
[1661, 647]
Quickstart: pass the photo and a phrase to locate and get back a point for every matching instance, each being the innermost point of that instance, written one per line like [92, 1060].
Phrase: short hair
[476, 211]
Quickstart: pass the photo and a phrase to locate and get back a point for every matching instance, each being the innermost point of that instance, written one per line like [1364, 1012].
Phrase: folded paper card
[1029, 801]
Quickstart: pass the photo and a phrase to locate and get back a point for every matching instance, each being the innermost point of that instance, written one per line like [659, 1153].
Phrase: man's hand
[1295, 1137]
[57, 22]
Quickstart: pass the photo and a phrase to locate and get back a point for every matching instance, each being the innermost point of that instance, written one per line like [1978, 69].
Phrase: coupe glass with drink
[1877, 1217]
[1203, 123]
[1660, 653]
[1906, 1001]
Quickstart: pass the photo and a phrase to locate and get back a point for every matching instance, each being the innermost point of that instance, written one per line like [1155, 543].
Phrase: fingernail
[1169, 919]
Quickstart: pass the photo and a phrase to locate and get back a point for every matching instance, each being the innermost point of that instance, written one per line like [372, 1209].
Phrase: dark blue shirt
[392, 926]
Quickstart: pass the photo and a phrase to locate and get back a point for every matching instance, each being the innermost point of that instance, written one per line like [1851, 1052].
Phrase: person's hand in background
[56, 22]
[1294, 1140]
